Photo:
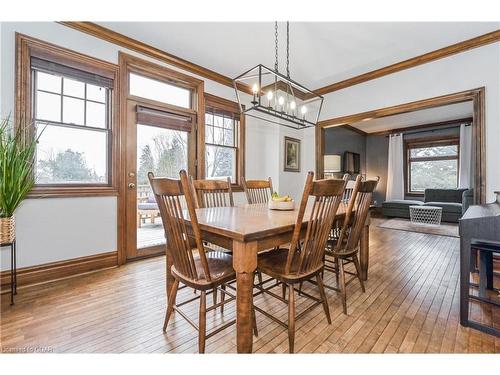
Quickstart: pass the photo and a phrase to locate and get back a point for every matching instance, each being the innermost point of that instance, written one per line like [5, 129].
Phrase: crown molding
[148, 50]
[453, 49]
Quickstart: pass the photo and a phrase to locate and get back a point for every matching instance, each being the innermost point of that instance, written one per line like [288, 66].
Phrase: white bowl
[282, 206]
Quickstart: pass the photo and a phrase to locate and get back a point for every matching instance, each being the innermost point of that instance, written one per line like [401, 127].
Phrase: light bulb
[270, 95]
[303, 110]
[255, 88]
[292, 105]
[281, 100]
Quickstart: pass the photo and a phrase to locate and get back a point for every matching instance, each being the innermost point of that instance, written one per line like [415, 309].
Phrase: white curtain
[395, 179]
[465, 166]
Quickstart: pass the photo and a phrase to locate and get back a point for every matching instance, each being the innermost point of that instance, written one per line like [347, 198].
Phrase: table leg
[244, 263]
[364, 253]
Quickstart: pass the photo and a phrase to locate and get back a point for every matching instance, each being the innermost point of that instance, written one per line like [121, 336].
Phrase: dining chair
[257, 191]
[344, 248]
[303, 259]
[213, 193]
[201, 270]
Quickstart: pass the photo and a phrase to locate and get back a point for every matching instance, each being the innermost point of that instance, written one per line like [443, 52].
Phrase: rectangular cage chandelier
[275, 97]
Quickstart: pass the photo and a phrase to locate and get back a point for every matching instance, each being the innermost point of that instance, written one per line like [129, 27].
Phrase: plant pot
[7, 230]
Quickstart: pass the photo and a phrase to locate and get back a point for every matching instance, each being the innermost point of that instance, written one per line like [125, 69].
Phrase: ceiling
[321, 53]
[421, 117]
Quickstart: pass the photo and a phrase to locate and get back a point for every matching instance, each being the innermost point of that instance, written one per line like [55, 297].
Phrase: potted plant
[17, 154]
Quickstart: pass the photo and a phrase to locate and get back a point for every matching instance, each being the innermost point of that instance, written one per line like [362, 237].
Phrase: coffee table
[426, 215]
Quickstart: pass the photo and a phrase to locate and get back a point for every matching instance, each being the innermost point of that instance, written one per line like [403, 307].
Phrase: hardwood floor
[411, 304]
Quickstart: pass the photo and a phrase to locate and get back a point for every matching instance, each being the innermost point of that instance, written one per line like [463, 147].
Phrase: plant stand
[13, 269]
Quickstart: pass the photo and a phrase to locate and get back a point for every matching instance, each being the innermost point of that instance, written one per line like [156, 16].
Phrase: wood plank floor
[411, 304]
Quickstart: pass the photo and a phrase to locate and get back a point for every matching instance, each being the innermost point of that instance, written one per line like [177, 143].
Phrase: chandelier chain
[287, 49]
[276, 45]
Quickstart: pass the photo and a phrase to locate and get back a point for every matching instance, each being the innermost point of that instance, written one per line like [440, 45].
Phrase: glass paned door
[163, 152]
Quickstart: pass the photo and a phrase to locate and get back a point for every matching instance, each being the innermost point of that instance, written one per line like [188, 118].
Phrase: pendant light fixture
[275, 97]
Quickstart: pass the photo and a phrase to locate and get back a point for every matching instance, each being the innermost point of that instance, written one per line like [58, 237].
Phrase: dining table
[247, 230]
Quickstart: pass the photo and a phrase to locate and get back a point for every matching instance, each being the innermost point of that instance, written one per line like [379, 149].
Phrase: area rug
[445, 229]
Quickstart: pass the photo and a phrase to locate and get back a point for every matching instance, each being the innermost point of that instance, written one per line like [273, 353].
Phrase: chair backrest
[168, 194]
[257, 191]
[362, 200]
[213, 193]
[327, 196]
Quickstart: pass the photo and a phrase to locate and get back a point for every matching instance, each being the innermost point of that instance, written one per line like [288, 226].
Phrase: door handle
[131, 185]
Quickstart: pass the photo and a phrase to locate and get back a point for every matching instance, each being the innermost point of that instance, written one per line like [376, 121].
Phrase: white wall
[63, 228]
[472, 69]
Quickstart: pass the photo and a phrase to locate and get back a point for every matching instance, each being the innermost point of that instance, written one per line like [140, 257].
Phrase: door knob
[131, 185]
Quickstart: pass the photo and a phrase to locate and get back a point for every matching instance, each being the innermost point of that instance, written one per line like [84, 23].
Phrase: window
[223, 140]
[72, 116]
[160, 91]
[71, 100]
[432, 164]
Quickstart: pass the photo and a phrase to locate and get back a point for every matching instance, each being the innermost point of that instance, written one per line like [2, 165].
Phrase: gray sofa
[454, 203]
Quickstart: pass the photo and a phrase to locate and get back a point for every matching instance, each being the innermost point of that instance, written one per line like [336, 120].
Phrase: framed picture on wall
[292, 155]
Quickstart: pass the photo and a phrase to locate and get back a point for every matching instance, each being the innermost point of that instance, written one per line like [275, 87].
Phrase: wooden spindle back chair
[257, 191]
[302, 263]
[192, 265]
[213, 193]
[327, 196]
[345, 248]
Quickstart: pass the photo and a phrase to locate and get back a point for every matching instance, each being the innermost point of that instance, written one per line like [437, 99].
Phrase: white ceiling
[421, 117]
[321, 53]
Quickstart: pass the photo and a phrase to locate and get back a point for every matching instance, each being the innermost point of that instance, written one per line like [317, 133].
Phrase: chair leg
[300, 288]
[342, 285]
[358, 272]
[291, 318]
[259, 277]
[255, 331]
[170, 304]
[222, 297]
[322, 293]
[202, 322]
[283, 290]
[215, 296]
[336, 260]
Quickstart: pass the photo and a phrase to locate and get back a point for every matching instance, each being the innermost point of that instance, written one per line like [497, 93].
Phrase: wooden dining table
[246, 230]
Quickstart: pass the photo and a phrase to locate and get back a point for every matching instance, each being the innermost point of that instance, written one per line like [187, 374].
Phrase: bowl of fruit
[283, 203]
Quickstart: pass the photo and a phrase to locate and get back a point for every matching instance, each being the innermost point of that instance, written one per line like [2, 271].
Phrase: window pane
[161, 151]
[163, 92]
[218, 136]
[209, 134]
[220, 163]
[73, 111]
[48, 82]
[450, 150]
[73, 88]
[71, 156]
[96, 93]
[96, 115]
[48, 106]
[438, 174]
[228, 123]
[229, 137]
[209, 118]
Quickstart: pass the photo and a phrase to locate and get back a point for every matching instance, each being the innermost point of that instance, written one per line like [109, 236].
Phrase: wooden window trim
[217, 103]
[426, 142]
[27, 47]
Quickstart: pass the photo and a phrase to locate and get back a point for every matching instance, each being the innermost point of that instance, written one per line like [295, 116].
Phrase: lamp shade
[332, 163]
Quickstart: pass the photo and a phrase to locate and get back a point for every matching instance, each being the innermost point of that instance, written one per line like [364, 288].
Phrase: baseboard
[59, 270]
